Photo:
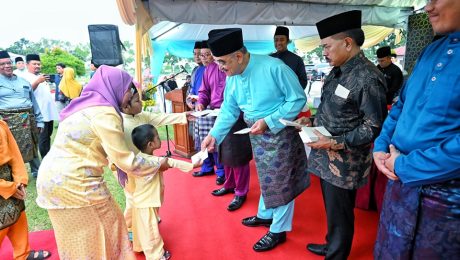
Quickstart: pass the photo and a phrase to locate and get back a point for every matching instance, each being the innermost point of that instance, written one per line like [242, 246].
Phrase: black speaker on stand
[105, 44]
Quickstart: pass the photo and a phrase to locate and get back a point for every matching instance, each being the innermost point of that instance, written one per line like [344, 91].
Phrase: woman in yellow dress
[87, 222]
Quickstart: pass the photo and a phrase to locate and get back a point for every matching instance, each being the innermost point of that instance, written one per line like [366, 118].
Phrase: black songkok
[281, 30]
[339, 23]
[17, 59]
[30, 57]
[204, 45]
[197, 45]
[225, 41]
[4, 55]
[383, 52]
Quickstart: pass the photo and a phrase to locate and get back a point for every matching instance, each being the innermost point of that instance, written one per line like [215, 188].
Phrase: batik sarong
[11, 208]
[24, 129]
[420, 222]
[281, 165]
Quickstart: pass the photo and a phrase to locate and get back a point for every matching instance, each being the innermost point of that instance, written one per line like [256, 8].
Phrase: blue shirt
[16, 92]
[197, 79]
[424, 125]
[266, 89]
[57, 80]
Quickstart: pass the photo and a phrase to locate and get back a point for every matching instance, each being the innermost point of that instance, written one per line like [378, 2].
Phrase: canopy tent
[180, 22]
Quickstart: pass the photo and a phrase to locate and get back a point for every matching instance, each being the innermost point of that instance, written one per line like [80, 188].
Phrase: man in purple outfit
[210, 96]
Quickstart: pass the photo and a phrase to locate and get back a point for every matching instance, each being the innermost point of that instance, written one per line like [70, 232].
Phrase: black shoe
[254, 221]
[220, 180]
[269, 241]
[201, 173]
[317, 249]
[222, 191]
[236, 203]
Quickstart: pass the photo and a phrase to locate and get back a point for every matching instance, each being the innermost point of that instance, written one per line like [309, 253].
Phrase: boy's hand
[164, 164]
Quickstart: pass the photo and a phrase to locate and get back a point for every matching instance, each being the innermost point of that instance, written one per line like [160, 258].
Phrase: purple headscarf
[106, 88]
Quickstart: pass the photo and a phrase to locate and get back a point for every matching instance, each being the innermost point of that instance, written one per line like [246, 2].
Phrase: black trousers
[339, 204]
[44, 139]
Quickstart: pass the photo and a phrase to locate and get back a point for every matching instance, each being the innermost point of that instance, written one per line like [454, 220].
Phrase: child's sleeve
[181, 165]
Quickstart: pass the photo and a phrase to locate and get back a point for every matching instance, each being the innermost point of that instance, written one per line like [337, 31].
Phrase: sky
[58, 19]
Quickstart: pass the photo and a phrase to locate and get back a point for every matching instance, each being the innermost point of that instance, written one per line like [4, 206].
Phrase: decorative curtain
[374, 35]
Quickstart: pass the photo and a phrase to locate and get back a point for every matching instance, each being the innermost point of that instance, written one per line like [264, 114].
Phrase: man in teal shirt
[265, 90]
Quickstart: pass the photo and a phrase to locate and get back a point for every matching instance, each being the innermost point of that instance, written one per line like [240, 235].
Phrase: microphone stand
[168, 151]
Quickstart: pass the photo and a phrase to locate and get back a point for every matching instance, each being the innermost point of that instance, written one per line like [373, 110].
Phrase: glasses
[3, 64]
[205, 54]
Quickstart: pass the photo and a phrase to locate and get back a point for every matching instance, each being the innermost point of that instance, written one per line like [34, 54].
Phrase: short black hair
[356, 34]
[62, 65]
[142, 135]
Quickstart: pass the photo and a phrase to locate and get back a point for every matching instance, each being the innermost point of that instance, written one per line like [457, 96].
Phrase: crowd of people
[415, 145]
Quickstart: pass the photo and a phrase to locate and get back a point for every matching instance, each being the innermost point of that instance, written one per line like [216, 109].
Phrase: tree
[57, 55]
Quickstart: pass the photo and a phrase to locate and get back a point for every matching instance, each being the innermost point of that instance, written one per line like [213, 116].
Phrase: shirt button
[450, 51]
[433, 78]
[439, 65]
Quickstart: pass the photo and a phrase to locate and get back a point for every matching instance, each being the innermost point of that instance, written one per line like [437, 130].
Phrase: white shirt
[20, 73]
[44, 98]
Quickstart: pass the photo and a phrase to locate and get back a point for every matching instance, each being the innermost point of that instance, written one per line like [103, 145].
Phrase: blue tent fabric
[184, 49]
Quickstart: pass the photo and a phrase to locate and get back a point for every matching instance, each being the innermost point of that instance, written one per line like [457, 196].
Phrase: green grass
[38, 218]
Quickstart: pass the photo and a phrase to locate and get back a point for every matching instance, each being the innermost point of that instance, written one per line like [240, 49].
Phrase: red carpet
[197, 225]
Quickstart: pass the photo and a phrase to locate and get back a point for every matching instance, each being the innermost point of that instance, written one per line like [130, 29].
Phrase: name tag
[341, 91]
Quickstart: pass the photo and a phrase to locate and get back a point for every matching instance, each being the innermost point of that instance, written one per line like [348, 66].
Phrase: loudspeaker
[105, 44]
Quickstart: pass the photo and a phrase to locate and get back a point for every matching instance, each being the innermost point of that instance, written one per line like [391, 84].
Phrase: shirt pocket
[445, 95]
[26, 92]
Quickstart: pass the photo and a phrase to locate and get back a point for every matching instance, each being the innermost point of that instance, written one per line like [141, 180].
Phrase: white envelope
[289, 123]
[243, 131]
[308, 136]
[200, 156]
[341, 91]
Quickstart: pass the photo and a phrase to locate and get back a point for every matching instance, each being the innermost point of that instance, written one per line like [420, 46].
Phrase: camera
[50, 77]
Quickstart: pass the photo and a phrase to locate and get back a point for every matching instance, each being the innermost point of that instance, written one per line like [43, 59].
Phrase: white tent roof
[192, 20]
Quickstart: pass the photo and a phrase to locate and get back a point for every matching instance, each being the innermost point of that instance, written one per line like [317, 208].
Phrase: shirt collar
[351, 63]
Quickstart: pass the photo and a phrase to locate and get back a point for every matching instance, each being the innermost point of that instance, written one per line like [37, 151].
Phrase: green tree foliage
[57, 55]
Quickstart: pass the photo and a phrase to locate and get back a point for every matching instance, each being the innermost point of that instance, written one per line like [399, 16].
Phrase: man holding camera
[45, 100]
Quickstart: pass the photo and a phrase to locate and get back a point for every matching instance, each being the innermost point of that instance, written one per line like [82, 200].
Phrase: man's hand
[259, 127]
[324, 142]
[191, 106]
[20, 192]
[303, 121]
[208, 142]
[199, 107]
[390, 163]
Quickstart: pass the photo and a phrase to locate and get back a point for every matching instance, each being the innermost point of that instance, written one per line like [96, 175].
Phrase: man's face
[335, 51]
[444, 15]
[20, 65]
[34, 66]
[196, 56]
[92, 67]
[231, 64]
[206, 56]
[384, 62]
[131, 104]
[6, 67]
[59, 70]
[281, 43]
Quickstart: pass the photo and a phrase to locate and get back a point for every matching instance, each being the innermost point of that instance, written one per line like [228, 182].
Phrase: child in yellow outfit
[147, 195]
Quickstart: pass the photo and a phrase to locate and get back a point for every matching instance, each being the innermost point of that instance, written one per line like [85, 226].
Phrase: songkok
[339, 23]
[4, 55]
[204, 45]
[197, 45]
[393, 53]
[281, 30]
[30, 57]
[383, 52]
[225, 41]
[18, 59]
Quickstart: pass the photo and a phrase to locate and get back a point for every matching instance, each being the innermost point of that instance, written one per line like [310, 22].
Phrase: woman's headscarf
[106, 88]
[69, 86]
